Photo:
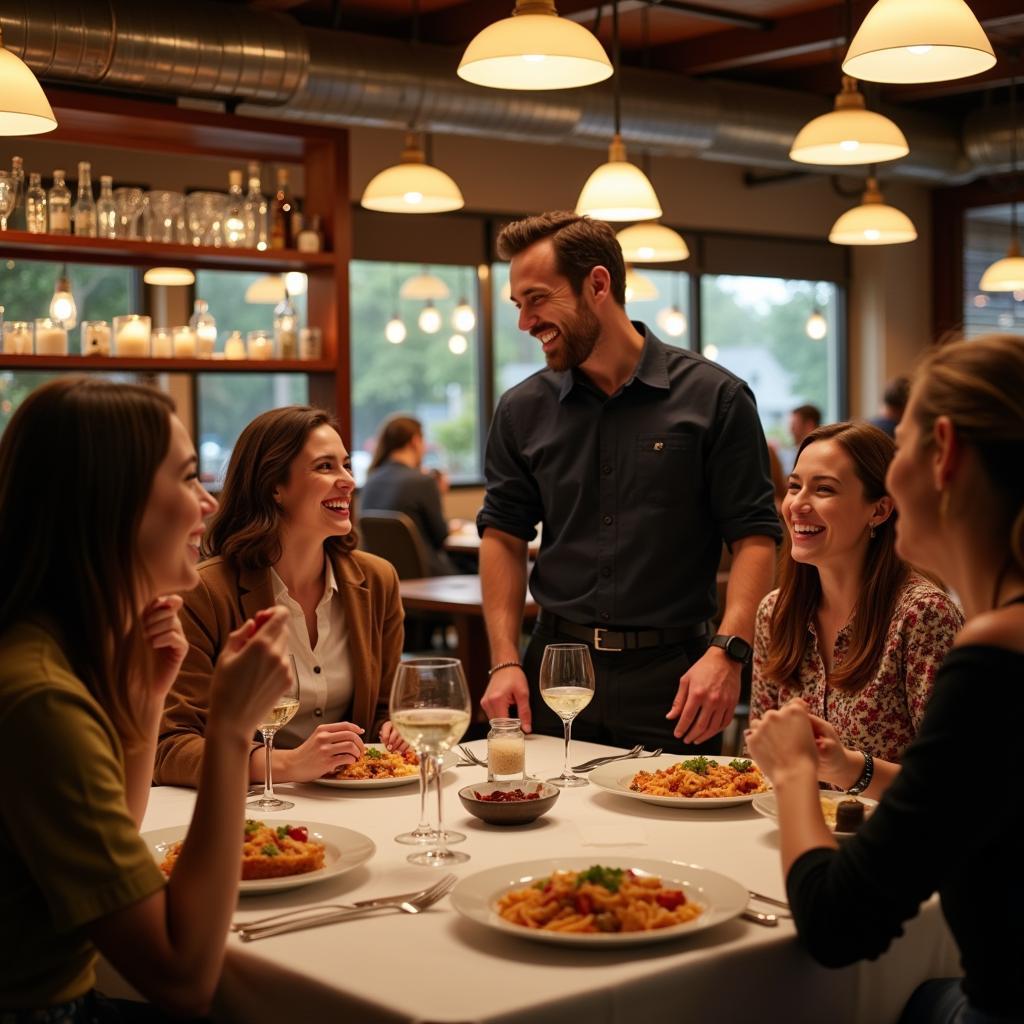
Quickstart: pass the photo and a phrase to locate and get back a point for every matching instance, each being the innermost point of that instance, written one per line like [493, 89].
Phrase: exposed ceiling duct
[273, 67]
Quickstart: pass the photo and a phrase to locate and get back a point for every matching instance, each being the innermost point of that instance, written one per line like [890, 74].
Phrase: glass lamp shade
[25, 109]
[463, 318]
[63, 308]
[266, 290]
[639, 287]
[873, 222]
[672, 321]
[169, 276]
[457, 344]
[412, 186]
[429, 319]
[394, 330]
[534, 49]
[652, 243]
[423, 286]
[850, 134]
[1007, 274]
[618, 190]
[918, 41]
[816, 326]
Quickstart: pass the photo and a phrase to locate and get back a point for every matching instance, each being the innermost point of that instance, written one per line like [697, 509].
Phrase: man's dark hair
[580, 245]
[809, 412]
[896, 393]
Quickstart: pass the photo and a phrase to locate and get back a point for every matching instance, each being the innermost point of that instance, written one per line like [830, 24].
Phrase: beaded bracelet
[503, 664]
[865, 776]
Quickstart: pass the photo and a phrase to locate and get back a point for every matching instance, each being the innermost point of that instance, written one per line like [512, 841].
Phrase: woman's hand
[163, 635]
[783, 741]
[837, 765]
[390, 738]
[329, 747]
[252, 672]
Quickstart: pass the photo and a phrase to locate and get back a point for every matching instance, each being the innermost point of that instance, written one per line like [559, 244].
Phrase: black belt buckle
[599, 634]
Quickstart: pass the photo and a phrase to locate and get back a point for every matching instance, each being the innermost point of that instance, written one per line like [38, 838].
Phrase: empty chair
[394, 536]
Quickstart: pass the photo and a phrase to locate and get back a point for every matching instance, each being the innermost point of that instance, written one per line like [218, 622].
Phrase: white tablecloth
[437, 967]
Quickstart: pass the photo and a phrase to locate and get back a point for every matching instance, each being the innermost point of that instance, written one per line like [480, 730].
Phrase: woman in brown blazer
[283, 536]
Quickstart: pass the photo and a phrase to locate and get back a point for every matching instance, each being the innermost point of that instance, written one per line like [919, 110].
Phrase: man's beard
[578, 336]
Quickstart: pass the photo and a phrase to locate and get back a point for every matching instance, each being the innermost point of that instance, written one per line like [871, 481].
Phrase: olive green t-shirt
[70, 852]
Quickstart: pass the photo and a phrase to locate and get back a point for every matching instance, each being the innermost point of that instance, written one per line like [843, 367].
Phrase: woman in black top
[949, 822]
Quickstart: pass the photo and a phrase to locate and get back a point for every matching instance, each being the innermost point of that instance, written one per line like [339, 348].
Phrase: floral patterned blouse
[883, 716]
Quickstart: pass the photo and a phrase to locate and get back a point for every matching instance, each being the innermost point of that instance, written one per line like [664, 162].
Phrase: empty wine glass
[8, 197]
[128, 203]
[278, 717]
[567, 687]
[430, 709]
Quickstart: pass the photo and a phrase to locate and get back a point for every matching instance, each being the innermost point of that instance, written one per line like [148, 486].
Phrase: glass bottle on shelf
[35, 205]
[286, 328]
[17, 219]
[234, 216]
[204, 326]
[106, 211]
[257, 212]
[309, 239]
[297, 221]
[58, 201]
[84, 213]
[281, 213]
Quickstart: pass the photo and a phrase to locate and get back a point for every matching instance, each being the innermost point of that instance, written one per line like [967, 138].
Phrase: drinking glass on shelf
[8, 197]
[128, 202]
[278, 716]
[430, 709]
[567, 687]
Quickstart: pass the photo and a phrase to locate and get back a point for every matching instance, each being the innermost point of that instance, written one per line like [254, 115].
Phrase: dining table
[439, 967]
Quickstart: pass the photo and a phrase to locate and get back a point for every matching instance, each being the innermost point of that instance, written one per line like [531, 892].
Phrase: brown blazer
[225, 598]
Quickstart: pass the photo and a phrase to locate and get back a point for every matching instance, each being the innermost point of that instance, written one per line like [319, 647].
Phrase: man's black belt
[602, 639]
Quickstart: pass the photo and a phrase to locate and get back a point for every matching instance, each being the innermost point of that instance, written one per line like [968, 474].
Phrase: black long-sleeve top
[951, 822]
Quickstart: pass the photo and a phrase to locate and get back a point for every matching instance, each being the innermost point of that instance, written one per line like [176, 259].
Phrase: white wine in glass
[430, 709]
[567, 687]
[278, 717]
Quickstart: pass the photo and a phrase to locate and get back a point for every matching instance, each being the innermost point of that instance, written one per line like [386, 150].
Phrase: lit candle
[95, 338]
[234, 347]
[162, 343]
[184, 343]
[131, 336]
[18, 338]
[261, 345]
[206, 335]
[51, 338]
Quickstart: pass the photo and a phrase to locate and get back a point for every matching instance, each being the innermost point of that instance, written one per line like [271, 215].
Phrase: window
[986, 236]
[428, 367]
[762, 329]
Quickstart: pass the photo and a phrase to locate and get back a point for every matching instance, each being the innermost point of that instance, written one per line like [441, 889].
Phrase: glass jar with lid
[506, 751]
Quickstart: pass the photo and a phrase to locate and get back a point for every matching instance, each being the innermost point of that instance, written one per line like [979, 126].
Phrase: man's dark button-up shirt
[636, 491]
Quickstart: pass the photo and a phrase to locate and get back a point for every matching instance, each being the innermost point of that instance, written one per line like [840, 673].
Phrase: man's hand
[508, 686]
[707, 697]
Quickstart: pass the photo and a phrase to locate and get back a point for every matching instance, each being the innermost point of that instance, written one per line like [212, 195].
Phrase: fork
[252, 931]
[466, 754]
[636, 753]
[404, 897]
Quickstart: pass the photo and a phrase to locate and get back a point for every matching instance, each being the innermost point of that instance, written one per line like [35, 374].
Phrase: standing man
[640, 459]
[802, 420]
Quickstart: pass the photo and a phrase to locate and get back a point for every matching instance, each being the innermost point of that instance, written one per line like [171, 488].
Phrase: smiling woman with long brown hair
[851, 630]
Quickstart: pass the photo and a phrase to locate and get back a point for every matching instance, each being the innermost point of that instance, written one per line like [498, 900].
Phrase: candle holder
[95, 338]
[185, 344]
[260, 345]
[234, 347]
[51, 337]
[132, 335]
[162, 343]
[18, 337]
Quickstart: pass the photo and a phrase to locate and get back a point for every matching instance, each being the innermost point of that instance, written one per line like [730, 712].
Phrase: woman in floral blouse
[852, 630]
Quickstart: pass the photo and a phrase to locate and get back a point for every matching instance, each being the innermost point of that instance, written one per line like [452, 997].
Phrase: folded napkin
[621, 833]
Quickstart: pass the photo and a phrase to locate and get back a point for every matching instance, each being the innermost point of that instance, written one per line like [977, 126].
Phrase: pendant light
[873, 222]
[394, 329]
[62, 306]
[26, 110]
[424, 286]
[618, 190]
[671, 319]
[849, 134]
[639, 287]
[652, 243]
[1007, 274]
[429, 319]
[902, 41]
[457, 344]
[534, 49]
[816, 326]
[463, 317]
[270, 288]
[169, 277]
[413, 185]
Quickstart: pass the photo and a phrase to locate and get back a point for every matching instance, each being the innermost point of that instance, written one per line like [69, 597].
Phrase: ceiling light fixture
[618, 190]
[873, 222]
[534, 49]
[413, 185]
[652, 243]
[457, 344]
[463, 317]
[169, 277]
[424, 286]
[902, 41]
[26, 110]
[816, 326]
[62, 306]
[639, 287]
[849, 134]
[429, 319]
[394, 330]
[1007, 274]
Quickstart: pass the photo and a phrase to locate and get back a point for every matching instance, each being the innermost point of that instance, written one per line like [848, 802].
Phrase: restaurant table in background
[460, 597]
[438, 967]
[466, 541]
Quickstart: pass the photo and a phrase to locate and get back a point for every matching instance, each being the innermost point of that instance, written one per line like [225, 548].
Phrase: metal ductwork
[273, 67]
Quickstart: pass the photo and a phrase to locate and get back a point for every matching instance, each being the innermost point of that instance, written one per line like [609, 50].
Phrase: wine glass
[430, 709]
[8, 197]
[278, 716]
[567, 687]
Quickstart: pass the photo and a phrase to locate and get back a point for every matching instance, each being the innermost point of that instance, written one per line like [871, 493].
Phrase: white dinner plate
[765, 804]
[402, 780]
[476, 897]
[616, 777]
[344, 851]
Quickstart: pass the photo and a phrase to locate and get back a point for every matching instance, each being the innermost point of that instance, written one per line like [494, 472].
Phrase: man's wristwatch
[735, 646]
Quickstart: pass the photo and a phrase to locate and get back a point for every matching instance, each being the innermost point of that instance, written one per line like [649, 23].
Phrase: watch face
[738, 648]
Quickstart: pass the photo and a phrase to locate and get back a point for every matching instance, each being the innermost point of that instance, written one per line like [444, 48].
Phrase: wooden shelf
[108, 363]
[139, 252]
